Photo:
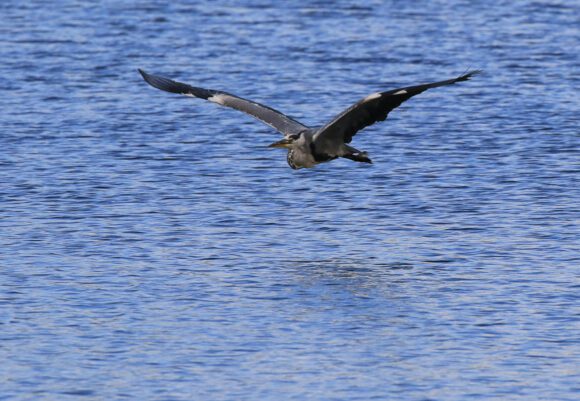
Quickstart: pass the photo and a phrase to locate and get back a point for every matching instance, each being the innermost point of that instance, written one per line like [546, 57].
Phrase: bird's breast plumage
[290, 160]
[300, 155]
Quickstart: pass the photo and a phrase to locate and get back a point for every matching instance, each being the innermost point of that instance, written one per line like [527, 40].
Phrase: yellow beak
[284, 143]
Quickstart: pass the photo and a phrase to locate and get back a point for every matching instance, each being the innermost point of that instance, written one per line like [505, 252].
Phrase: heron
[308, 146]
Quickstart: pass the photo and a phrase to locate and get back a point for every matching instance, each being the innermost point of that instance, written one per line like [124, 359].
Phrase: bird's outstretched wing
[267, 115]
[373, 108]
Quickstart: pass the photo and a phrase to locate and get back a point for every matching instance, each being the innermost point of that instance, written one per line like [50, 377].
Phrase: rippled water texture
[153, 248]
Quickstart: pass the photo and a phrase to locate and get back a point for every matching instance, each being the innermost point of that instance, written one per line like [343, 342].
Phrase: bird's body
[305, 152]
[301, 155]
[307, 146]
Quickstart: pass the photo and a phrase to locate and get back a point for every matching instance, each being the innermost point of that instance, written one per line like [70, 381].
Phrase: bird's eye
[294, 137]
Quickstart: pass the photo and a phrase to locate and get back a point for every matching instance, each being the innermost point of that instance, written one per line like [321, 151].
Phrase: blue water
[153, 248]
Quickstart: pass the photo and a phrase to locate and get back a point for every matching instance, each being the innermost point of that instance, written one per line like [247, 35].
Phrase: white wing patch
[219, 99]
[188, 94]
[372, 96]
[401, 92]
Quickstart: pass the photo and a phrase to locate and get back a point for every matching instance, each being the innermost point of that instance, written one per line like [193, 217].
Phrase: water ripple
[149, 253]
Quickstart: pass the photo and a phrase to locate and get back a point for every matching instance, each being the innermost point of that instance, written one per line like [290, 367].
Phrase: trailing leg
[358, 157]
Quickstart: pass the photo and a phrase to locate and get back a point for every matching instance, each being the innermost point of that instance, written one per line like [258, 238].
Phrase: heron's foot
[361, 157]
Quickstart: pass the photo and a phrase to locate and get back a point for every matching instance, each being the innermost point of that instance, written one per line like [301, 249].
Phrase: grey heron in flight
[308, 146]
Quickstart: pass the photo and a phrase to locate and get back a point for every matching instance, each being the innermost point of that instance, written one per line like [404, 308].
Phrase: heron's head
[287, 142]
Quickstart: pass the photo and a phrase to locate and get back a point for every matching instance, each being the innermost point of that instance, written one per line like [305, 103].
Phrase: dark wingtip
[143, 73]
[160, 82]
[466, 76]
[168, 85]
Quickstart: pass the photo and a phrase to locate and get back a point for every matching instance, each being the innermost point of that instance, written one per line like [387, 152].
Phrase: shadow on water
[375, 278]
[348, 266]
[353, 274]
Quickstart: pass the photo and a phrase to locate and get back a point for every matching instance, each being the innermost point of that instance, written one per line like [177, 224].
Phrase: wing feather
[267, 115]
[375, 107]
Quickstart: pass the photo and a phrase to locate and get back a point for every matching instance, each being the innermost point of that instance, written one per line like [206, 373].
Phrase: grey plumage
[307, 146]
[267, 115]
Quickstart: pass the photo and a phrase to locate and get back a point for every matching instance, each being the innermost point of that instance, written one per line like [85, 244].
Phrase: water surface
[153, 248]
